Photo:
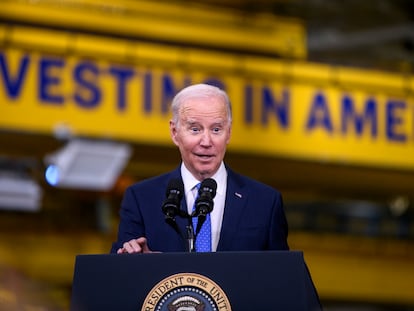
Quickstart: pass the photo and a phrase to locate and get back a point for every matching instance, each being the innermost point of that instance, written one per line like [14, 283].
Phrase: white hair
[199, 91]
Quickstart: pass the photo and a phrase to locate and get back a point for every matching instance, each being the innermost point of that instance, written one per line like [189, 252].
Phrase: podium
[220, 281]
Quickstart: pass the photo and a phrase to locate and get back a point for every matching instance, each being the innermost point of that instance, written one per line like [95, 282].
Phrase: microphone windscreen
[209, 185]
[176, 185]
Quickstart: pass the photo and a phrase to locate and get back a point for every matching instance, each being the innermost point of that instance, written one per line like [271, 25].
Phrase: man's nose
[206, 138]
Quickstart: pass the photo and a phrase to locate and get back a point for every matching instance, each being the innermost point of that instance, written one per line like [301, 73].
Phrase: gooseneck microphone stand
[190, 235]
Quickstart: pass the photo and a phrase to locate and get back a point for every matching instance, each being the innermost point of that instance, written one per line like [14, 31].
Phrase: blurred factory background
[323, 104]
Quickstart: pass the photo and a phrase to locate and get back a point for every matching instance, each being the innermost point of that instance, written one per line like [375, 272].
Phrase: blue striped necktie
[203, 239]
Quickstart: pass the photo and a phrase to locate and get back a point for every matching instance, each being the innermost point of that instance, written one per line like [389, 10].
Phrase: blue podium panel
[220, 281]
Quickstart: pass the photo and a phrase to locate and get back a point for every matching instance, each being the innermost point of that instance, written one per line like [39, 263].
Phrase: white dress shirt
[216, 216]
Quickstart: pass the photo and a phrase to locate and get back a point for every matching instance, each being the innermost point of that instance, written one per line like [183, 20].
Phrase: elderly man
[247, 215]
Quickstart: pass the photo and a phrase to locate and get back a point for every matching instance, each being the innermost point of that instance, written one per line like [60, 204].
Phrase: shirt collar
[190, 181]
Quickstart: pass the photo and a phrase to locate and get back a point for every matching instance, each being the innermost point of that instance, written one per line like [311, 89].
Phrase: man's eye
[216, 130]
[194, 129]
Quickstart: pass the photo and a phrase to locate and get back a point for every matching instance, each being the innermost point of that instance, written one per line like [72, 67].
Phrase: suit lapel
[236, 200]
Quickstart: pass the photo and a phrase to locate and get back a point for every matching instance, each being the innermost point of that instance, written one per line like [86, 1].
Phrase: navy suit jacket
[253, 218]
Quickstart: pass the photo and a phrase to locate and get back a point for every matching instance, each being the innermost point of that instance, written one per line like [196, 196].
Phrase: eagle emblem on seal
[186, 303]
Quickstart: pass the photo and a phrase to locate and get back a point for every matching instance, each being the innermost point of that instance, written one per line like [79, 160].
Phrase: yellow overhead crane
[170, 22]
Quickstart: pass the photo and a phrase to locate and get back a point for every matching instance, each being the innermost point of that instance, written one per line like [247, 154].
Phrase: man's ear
[229, 135]
[173, 132]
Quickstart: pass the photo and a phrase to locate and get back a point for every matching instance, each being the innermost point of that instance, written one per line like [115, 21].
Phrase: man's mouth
[204, 156]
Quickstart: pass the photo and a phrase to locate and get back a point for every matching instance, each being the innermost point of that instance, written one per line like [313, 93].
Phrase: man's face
[202, 135]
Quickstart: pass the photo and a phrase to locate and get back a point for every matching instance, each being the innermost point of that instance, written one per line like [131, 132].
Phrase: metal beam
[333, 40]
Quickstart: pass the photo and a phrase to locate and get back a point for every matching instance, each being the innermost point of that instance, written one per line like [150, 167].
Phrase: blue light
[52, 175]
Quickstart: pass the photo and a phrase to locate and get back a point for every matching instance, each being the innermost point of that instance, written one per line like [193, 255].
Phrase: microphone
[174, 193]
[171, 208]
[204, 203]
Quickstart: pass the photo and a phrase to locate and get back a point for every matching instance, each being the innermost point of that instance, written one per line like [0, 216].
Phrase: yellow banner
[291, 109]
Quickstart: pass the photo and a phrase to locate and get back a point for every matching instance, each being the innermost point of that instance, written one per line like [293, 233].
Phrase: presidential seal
[186, 292]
